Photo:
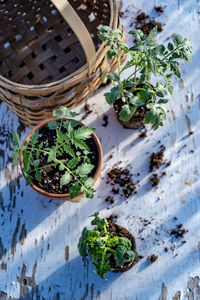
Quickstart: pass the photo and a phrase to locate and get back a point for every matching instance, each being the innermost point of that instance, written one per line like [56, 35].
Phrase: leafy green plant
[147, 58]
[71, 142]
[101, 246]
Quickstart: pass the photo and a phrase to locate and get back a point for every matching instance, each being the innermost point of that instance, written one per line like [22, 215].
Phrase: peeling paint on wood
[22, 234]
[163, 295]
[67, 253]
[14, 238]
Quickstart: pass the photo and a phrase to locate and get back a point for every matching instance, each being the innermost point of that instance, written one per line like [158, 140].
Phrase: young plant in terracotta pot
[140, 98]
[110, 246]
[60, 158]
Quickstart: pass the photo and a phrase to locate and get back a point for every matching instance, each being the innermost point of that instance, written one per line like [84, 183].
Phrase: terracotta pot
[63, 196]
[123, 232]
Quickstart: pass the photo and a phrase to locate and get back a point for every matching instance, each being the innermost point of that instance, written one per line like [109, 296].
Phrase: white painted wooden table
[35, 232]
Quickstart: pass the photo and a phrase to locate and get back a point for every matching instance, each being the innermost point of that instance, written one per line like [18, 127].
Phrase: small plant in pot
[110, 246]
[140, 97]
[60, 158]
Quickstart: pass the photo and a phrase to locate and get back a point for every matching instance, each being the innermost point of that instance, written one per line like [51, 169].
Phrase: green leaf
[27, 159]
[73, 163]
[29, 179]
[84, 169]
[70, 130]
[73, 123]
[113, 77]
[60, 137]
[126, 112]
[151, 38]
[34, 137]
[66, 178]
[134, 100]
[52, 125]
[89, 182]
[38, 175]
[36, 163]
[80, 144]
[177, 39]
[69, 150]
[64, 112]
[61, 167]
[16, 157]
[174, 66]
[113, 95]
[52, 155]
[159, 94]
[111, 53]
[15, 139]
[74, 190]
[82, 244]
[138, 34]
[88, 192]
[144, 95]
[83, 133]
[170, 46]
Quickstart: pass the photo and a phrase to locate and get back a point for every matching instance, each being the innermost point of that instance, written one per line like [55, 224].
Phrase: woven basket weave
[50, 54]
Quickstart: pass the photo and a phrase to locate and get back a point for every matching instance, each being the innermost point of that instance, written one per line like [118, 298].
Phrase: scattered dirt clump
[156, 159]
[110, 199]
[88, 111]
[105, 119]
[143, 134]
[144, 23]
[159, 9]
[153, 258]
[179, 231]
[122, 177]
[154, 179]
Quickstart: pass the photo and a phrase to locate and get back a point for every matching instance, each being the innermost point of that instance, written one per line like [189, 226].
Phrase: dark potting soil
[144, 23]
[123, 178]
[51, 175]
[117, 230]
[156, 159]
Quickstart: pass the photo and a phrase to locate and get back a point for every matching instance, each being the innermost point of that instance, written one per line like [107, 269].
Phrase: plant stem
[170, 53]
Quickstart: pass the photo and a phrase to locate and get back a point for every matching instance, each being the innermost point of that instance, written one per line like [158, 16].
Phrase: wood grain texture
[35, 262]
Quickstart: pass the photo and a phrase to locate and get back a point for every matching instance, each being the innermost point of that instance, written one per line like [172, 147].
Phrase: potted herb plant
[140, 97]
[110, 246]
[60, 158]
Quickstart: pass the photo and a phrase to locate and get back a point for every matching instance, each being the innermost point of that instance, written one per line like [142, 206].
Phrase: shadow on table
[76, 279]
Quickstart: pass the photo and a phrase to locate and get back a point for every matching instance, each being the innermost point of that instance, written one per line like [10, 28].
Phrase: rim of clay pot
[128, 266]
[66, 195]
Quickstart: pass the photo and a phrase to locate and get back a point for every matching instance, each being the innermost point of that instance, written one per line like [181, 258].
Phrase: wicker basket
[50, 54]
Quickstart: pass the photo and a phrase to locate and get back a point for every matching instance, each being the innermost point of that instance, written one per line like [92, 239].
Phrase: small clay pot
[120, 231]
[63, 196]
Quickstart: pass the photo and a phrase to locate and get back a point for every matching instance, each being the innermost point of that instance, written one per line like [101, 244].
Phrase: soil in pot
[137, 120]
[51, 175]
[117, 230]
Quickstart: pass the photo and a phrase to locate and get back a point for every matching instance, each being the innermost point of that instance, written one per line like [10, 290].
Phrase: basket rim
[55, 85]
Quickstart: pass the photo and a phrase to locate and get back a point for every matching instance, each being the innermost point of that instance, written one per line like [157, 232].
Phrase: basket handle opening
[80, 30]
